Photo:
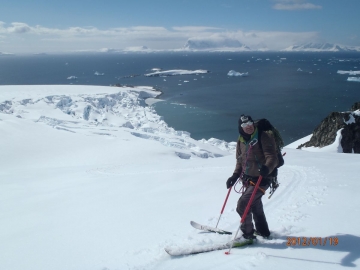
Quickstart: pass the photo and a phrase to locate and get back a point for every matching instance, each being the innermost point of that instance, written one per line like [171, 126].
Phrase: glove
[264, 171]
[232, 180]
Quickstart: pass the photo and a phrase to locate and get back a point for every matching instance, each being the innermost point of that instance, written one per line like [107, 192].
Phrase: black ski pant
[256, 211]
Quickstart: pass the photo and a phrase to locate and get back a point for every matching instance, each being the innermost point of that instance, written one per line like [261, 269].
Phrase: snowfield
[93, 179]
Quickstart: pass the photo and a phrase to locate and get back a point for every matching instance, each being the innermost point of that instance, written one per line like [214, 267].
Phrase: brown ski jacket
[250, 158]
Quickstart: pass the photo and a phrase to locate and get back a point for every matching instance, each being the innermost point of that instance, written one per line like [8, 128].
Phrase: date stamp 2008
[314, 241]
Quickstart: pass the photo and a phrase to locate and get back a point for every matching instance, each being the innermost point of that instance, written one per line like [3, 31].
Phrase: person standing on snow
[254, 158]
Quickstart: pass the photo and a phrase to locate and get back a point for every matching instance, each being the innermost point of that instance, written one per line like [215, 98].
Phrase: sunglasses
[248, 123]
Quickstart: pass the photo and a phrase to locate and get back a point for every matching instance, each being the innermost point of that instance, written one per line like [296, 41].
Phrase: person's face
[249, 129]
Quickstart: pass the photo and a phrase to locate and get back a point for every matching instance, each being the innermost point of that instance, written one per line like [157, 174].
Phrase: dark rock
[325, 133]
[355, 107]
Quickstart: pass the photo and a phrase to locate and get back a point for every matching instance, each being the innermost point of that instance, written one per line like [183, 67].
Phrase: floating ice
[299, 69]
[350, 72]
[72, 78]
[235, 73]
[99, 74]
[175, 72]
[353, 79]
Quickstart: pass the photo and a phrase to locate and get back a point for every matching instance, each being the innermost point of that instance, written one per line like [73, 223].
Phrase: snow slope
[92, 178]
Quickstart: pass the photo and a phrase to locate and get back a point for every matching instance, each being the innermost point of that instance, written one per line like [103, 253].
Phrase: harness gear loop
[242, 189]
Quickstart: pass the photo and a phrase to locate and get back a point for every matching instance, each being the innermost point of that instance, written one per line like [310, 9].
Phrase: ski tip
[227, 252]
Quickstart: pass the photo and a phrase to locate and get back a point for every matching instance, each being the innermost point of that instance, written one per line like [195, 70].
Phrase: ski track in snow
[286, 207]
[290, 206]
[106, 115]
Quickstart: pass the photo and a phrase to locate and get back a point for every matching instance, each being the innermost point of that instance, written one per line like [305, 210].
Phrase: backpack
[265, 125]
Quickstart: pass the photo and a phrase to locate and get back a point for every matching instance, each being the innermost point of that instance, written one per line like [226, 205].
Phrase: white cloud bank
[19, 37]
[294, 5]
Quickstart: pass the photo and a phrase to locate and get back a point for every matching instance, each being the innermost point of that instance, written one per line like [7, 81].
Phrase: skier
[254, 158]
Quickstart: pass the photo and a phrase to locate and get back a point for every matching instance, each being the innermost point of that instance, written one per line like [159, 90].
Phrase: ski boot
[244, 240]
[267, 237]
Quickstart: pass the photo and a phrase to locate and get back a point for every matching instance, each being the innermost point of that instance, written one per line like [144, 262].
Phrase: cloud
[24, 38]
[195, 28]
[276, 40]
[213, 42]
[19, 28]
[272, 40]
[294, 5]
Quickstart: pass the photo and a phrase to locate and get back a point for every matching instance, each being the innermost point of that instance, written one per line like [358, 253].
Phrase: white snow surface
[93, 179]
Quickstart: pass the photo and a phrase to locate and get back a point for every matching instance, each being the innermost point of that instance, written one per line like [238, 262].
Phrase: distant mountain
[5, 53]
[215, 44]
[137, 49]
[321, 47]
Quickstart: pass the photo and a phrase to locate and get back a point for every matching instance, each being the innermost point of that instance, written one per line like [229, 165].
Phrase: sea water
[295, 91]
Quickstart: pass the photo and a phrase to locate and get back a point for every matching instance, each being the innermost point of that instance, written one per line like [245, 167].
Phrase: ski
[208, 228]
[176, 251]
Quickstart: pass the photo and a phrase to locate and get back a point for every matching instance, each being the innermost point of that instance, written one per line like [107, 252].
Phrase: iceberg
[176, 72]
[353, 79]
[350, 72]
[235, 73]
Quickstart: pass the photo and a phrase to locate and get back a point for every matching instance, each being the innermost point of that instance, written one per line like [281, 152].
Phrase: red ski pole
[246, 210]
[222, 210]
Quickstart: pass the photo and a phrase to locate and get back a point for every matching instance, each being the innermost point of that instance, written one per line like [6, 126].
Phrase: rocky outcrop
[348, 122]
[355, 107]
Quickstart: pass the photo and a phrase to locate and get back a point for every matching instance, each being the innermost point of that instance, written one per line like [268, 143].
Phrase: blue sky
[55, 26]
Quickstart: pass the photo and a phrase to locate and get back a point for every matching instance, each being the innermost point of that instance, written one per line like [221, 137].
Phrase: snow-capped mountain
[322, 47]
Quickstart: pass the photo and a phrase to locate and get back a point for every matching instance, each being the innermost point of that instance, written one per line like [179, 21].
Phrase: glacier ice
[235, 73]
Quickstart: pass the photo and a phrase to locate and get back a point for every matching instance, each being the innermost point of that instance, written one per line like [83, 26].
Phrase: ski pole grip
[251, 199]
[227, 196]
